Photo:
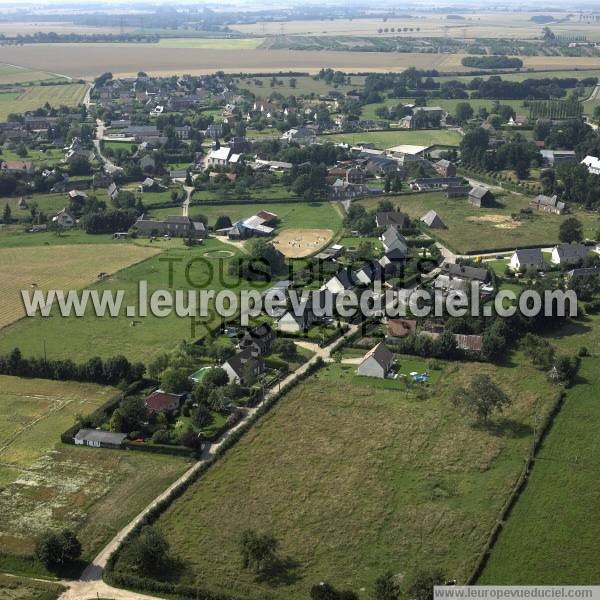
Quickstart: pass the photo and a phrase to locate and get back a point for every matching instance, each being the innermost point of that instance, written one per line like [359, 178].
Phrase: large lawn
[319, 214]
[141, 338]
[304, 85]
[552, 534]
[355, 479]
[472, 230]
[46, 484]
[388, 139]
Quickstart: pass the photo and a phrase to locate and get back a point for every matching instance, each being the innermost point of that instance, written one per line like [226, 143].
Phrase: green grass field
[291, 214]
[116, 335]
[37, 157]
[387, 139]
[36, 96]
[551, 536]
[46, 484]
[355, 479]
[470, 229]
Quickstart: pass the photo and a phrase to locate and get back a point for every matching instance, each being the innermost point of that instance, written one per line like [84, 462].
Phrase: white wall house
[568, 254]
[529, 258]
[592, 163]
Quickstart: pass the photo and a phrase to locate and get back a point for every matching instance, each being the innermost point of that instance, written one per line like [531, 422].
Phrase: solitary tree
[571, 230]
[150, 552]
[481, 397]
[257, 550]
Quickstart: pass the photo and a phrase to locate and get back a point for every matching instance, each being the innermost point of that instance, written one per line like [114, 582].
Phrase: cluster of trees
[559, 367]
[262, 262]
[492, 62]
[533, 89]
[109, 371]
[518, 153]
[56, 550]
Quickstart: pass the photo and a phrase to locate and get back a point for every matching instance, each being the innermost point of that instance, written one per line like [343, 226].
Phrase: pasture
[404, 483]
[533, 541]
[472, 230]
[46, 484]
[58, 267]
[387, 139]
[299, 243]
[34, 97]
[140, 338]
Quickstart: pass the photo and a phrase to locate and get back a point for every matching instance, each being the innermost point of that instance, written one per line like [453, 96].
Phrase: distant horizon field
[87, 60]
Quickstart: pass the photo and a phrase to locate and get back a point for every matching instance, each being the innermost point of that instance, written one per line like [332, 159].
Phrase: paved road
[109, 166]
[90, 584]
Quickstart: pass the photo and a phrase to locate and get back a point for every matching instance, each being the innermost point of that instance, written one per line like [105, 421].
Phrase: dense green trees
[57, 550]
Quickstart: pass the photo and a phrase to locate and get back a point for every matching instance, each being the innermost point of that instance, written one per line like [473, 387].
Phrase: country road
[90, 585]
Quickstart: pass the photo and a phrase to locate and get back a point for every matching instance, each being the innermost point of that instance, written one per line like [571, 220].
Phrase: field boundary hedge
[518, 488]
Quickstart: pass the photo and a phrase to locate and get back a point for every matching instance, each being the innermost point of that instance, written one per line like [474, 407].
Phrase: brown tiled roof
[401, 327]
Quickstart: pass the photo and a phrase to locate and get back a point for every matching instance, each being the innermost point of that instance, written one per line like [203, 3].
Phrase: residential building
[377, 362]
[568, 254]
[64, 219]
[445, 168]
[243, 366]
[526, 258]
[174, 226]
[392, 217]
[548, 204]
[592, 163]
[259, 339]
[392, 239]
[159, 401]
[436, 183]
[97, 438]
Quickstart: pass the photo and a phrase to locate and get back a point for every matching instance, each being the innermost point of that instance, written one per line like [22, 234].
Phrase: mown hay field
[59, 268]
[46, 484]
[355, 478]
[36, 96]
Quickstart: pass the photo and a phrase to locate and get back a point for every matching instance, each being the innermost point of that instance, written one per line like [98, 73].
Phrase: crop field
[472, 230]
[315, 215]
[471, 25]
[142, 338]
[422, 487]
[14, 74]
[534, 541]
[58, 267]
[44, 483]
[298, 243]
[88, 60]
[388, 139]
[212, 43]
[21, 588]
[36, 96]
